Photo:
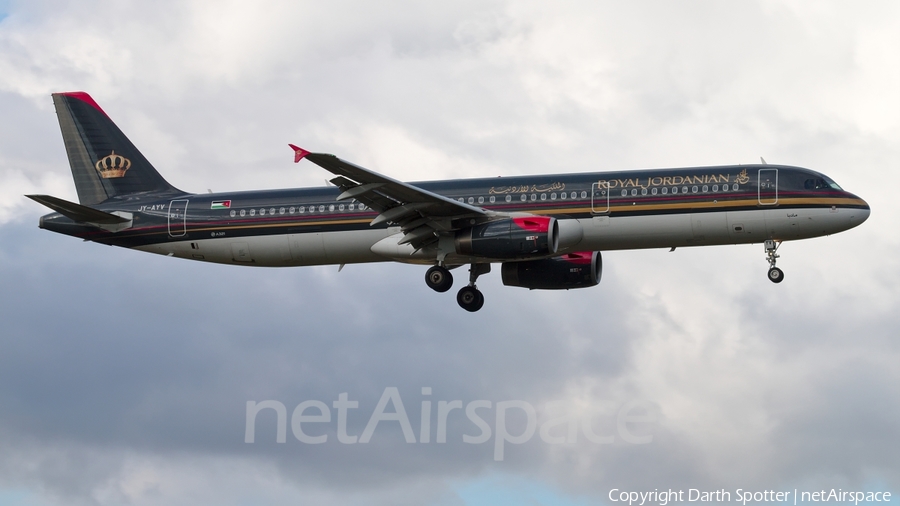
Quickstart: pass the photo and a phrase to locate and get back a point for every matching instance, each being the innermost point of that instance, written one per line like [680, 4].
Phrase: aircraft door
[177, 217]
[599, 198]
[768, 187]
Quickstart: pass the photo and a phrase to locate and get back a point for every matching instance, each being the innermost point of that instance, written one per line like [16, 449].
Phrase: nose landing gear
[775, 274]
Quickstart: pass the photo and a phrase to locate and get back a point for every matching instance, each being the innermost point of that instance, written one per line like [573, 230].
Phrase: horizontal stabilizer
[78, 212]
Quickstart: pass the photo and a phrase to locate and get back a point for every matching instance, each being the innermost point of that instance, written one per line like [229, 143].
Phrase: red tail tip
[84, 97]
[299, 153]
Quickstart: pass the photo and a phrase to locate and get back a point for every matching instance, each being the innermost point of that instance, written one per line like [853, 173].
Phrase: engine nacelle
[521, 237]
[572, 270]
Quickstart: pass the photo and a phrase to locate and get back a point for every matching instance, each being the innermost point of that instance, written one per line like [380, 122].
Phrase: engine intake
[510, 238]
[572, 270]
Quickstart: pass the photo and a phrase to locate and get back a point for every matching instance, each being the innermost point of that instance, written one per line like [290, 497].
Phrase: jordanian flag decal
[220, 204]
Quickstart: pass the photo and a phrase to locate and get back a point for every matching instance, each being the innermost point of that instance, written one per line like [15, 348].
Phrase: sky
[125, 377]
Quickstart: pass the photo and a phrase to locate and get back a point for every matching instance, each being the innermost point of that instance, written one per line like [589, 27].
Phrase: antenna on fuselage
[763, 160]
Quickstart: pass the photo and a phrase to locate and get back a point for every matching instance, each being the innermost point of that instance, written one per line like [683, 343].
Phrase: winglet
[299, 153]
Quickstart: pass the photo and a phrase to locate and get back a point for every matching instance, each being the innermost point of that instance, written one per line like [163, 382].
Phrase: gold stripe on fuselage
[613, 208]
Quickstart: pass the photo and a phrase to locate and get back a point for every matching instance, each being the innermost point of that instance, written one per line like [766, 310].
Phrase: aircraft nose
[864, 214]
[860, 214]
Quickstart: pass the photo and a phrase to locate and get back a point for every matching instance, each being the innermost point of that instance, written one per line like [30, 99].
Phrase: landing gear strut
[438, 278]
[776, 275]
[470, 297]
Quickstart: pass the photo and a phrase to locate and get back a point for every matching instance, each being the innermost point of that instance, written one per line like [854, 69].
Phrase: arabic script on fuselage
[535, 188]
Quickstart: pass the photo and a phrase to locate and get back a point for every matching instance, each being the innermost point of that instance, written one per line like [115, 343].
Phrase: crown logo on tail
[112, 166]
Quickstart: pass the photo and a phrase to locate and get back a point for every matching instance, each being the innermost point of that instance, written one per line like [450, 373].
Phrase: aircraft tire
[776, 275]
[439, 279]
[470, 298]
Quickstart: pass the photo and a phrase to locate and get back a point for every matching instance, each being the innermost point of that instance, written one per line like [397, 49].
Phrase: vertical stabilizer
[105, 164]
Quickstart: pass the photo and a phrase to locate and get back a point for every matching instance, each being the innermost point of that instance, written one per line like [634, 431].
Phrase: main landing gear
[470, 298]
[776, 275]
[439, 279]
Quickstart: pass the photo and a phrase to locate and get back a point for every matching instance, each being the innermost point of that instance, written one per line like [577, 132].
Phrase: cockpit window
[820, 183]
[833, 185]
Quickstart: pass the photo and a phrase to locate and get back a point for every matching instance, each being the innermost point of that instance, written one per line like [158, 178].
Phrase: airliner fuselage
[596, 211]
[546, 230]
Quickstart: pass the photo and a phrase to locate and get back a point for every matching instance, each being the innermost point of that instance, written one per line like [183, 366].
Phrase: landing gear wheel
[470, 298]
[776, 275]
[439, 279]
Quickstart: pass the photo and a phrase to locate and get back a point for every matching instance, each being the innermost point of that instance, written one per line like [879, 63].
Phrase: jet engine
[572, 270]
[520, 237]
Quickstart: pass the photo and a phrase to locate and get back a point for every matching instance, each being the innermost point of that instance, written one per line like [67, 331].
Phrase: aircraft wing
[421, 214]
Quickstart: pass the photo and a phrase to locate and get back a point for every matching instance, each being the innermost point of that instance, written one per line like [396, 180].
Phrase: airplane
[546, 231]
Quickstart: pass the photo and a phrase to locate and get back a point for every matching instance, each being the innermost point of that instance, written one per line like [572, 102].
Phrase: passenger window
[492, 199]
[253, 212]
[693, 189]
[665, 190]
[653, 191]
[562, 195]
[715, 187]
[321, 208]
[553, 196]
[643, 191]
[471, 200]
[243, 212]
[543, 196]
[232, 213]
[341, 207]
[633, 192]
[331, 207]
[574, 195]
[734, 186]
[272, 211]
[509, 198]
[705, 188]
[524, 197]
[624, 193]
[584, 195]
[684, 189]
[481, 200]
[262, 212]
[351, 206]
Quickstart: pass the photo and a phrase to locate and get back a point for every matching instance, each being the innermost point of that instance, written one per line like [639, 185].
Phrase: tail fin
[104, 163]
